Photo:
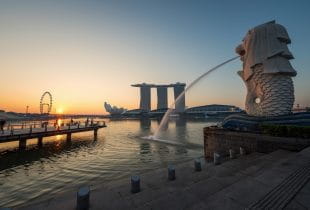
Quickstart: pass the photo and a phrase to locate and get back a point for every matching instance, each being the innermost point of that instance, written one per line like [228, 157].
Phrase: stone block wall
[221, 140]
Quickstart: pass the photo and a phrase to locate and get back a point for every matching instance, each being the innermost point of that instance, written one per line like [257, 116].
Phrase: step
[297, 169]
[249, 188]
[280, 196]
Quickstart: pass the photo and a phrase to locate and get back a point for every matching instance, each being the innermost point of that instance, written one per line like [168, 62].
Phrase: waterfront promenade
[276, 180]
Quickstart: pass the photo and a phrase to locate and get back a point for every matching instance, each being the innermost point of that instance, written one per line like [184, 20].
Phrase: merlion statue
[267, 72]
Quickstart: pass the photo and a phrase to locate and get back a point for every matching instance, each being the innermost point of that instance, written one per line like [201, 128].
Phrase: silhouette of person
[2, 123]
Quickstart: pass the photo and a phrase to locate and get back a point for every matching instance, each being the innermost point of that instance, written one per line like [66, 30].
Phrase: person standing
[2, 123]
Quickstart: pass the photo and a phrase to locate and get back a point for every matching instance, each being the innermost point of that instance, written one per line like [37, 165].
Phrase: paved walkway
[235, 184]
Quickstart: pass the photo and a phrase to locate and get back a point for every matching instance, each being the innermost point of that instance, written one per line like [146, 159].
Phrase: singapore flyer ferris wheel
[46, 103]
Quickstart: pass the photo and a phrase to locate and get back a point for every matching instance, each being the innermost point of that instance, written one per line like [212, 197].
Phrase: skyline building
[178, 89]
[162, 96]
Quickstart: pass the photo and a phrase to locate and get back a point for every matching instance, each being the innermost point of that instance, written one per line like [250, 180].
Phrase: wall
[221, 140]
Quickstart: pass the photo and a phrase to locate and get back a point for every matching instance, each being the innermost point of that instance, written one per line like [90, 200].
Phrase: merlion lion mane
[267, 72]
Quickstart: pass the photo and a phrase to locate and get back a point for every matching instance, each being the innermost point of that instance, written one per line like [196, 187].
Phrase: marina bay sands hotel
[162, 96]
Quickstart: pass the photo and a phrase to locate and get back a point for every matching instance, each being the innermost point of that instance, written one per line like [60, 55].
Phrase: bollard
[30, 129]
[242, 151]
[82, 200]
[232, 154]
[216, 158]
[171, 173]
[45, 127]
[197, 164]
[135, 184]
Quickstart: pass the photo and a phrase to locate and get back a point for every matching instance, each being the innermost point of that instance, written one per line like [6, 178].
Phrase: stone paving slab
[181, 200]
[272, 177]
[218, 201]
[247, 191]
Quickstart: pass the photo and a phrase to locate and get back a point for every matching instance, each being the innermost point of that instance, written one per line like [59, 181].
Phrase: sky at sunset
[86, 52]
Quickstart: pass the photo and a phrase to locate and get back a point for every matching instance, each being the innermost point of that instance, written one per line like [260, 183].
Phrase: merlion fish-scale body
[267, 72]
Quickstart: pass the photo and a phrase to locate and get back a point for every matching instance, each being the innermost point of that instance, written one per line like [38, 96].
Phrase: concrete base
[69, 137]
[40, 142]
[95, 134]
[22, 144]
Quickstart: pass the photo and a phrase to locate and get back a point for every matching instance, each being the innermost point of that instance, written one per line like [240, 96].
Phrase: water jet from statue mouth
[165, 119]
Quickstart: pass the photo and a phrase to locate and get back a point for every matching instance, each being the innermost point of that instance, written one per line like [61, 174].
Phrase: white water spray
[165, 119]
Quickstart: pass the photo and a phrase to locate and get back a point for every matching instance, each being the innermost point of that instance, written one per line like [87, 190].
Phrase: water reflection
[145, 123]
[180, 122]
[118, 152]
[16, 157]
[145, 148]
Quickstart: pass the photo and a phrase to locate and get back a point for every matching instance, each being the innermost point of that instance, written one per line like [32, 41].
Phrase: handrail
[31, 126]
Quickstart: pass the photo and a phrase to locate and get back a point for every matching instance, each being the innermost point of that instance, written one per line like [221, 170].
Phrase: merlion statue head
[267, 70]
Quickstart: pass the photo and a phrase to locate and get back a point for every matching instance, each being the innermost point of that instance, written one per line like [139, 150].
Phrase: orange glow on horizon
[60, 110]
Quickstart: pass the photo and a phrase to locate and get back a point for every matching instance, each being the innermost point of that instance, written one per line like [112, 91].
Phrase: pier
[39, 131]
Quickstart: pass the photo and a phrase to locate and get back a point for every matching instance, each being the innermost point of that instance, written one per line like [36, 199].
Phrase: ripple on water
[60, 166]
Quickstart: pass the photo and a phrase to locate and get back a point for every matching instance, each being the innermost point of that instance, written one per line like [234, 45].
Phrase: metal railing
[24, 126]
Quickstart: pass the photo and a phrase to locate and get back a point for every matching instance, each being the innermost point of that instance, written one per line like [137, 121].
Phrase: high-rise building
[145, 96]
[178, 89]
[162, 97]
